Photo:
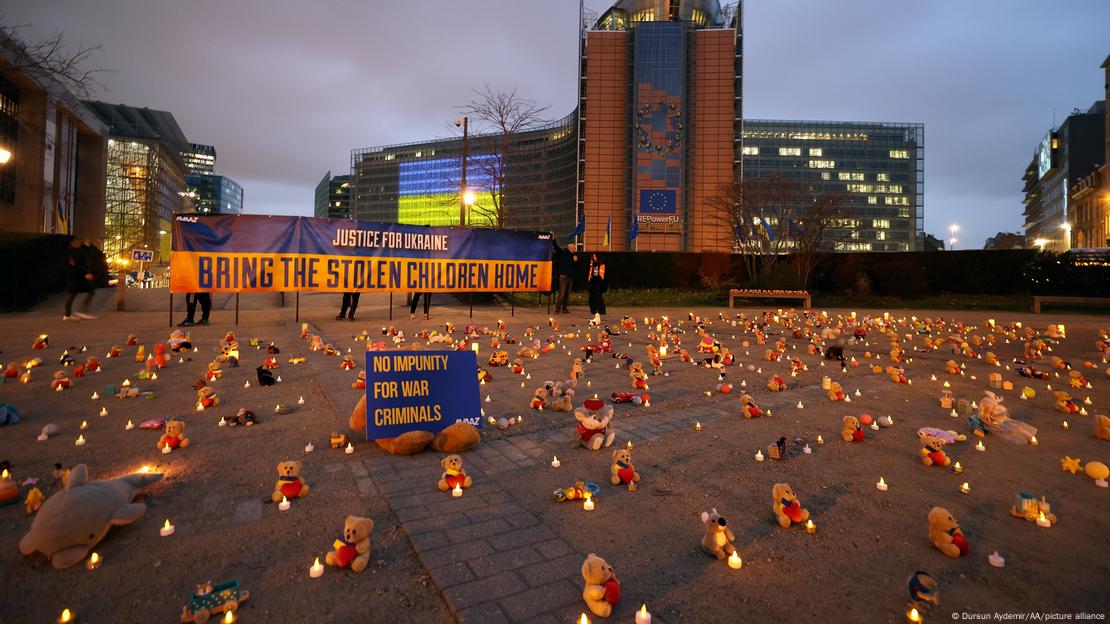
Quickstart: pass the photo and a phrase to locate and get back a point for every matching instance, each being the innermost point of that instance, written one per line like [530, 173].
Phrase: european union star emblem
[659, 201]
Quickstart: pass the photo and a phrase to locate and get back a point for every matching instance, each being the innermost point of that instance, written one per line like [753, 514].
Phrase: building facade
[333, 197]
[657, 135]
[1064, 156]
[1090, 196]
[145, 179]
[200, 159]
[52, 153]
[214, 194]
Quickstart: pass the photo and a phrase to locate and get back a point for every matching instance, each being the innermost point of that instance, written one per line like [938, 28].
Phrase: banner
[258, 253]
[420, 391]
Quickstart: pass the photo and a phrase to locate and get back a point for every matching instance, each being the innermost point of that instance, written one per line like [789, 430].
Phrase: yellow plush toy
[289, 484]
[851, 431]
[621, 469]
[453, 474]
[788, 509]
[353, 549]
[602, 591]
[174, 436]
[835, 392]
[945, 533]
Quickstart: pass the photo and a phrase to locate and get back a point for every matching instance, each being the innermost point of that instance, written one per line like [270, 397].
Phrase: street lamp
[1066, 227]
[1040, 242]
[5, 155]
[463, 123]
[951, 244]
[952, 229]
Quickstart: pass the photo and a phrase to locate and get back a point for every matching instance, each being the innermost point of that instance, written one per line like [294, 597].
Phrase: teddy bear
[353, 549]
[12, 371]
[453, 474]
[576, 369]
[593, 430]
[788, 509]
[1064, 404]
[289, 484]
[561, 397]
[1033, 349]
[360, 381]
[316, 343]
[748, 406]
[835, 392]
[484, 376]
[214, 371]
[60, 381]
[951, 367]
[174, 435]
[348, 362]
[945, 533]
[717, 540]
[638, 376]
[896, 375]
[851, 431]
[932, 450]
[776, 384]
[115, 351]
[206, 397]
[1076, 379]
[539, 399]
[518, 366]
[1058, 363]
[602, 591]
[1102, 427]
[990, 358]
[621, 469]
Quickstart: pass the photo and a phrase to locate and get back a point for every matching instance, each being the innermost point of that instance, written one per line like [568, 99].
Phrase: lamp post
[1066, 227]
[5, 155]
[463, 123]
[952, 229]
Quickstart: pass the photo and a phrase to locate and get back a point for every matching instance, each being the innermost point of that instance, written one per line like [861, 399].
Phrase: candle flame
[914, 615]
[316, 563]
[881, 482]
[583, 619]
[458, 489]
[284, 500]
[643, 607]
[809, 524]
[167, 525]
[95, 558]
[1041, 517]
[144, 469]
[4, 475]
[67, 616]
[229, 617]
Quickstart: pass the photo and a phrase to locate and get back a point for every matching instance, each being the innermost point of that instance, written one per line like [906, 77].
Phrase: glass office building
[200, 159]
[215, 194]
[333, 197]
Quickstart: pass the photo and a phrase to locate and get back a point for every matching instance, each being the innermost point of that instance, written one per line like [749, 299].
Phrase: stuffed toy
[539, 399]
[707, 344]
[776, 384]
[60, 381]
[140, 353]
[75, 519]
[1033, 349]
[1076, 380]
[788, 509]
[932, 450]
[531, 353]
[1064, 404]
[347, 363]
[771, 355]
[360, 381]
[748, 406]
[578, 491]
[484, 376]
[289, 484]
[353, 549]
[602, 591]
[896, 353]
[265, 377]
[499, 358]
[115, 351]
[518, 366]
[159, 355]
[835, 392]
[951, 367]
[628, 323]
[243, 417]
[179, 341]
[621, 469]
[990, 358]
[576, 369]
[317, 343]
[174, 435]
[945, 533]
[638, 376]
[724, 388]
[896, 375]
[561, 397]
[629, 397]
[12, 371]
[41, 342]
[717, 540]
[1058, 363]
[456, 438]
[338, 440]
[214, 371]
[851, 431]
[79, 371]
[453, 474]
[206, 397]
[593, 430]
[1102, 427]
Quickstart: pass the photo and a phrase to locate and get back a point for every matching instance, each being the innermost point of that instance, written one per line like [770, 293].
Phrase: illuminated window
[882, 224]
[390, 156]
[880, 235]
[872, 200]
[861, 188]
[899, 154]
[854, 176]
[822, 164]
[419, 154]
[882, 177]
[790, 151]
[896, 201]
[825, 175]
[816, 151]
[750, 150]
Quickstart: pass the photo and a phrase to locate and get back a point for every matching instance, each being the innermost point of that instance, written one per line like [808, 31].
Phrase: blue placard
[142, 255]
[420, 391]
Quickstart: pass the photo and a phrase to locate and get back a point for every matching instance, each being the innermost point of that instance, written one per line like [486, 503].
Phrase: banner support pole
[171, 308]
[236, 309]
[512, 298]
[391, 305]
[470, 298]
[298, 317]
[550, 296]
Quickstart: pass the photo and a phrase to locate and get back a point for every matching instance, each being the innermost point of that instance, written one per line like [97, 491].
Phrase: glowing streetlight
[469, 198]
[1066, 227]
[1040, 242]
[952, 229]
[951, 244]
[5, 155]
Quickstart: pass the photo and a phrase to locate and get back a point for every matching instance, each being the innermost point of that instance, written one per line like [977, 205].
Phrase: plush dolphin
[74, 520]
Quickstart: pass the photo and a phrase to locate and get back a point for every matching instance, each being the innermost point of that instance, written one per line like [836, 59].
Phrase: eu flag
[659, 201]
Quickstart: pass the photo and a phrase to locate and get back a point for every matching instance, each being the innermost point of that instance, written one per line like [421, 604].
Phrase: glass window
[751, 150]
[822, 164]
[882, 177]
[901, 153]
[816, 151]
[790, 151]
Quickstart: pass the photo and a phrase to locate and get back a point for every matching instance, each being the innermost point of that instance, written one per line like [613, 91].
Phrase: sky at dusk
[285, 90]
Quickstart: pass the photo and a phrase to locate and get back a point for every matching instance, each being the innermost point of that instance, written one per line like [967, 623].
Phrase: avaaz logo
[186, 219]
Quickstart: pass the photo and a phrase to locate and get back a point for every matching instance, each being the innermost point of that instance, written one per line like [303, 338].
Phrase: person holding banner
[564, 268]
[427, 303]
[596, 285]
[191, 301]
[350, 300]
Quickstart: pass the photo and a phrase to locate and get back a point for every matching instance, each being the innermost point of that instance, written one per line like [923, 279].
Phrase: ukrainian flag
[608, 231]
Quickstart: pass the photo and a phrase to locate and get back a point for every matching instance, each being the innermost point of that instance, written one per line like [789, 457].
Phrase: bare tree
[500, 115]
[50, 58]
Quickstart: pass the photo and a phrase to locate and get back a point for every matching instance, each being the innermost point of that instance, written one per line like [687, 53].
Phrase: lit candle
[104, 411]
[807, 450]
[308, 448]
[154, 376]
[881, 485]
[947, 385]
[229, 617]
[979, 446]
[588, 503]
[555, 461]
[247, 384]
[350, 448]
[913, 616]
[820, 440]
[800, 406]
[759, 455]
[80, 440]
[126, 383]
[96, 396]
[1042, 521]
[1065, 425]
[167, 449]
[300, 400]
[996, 560]
[810, 527]
[316, 570]
[734, 561]
[84, 424]
[957, 468]
[955, 414]
[284, 504]
[1033, 441]
[167, 529]
[66, 617]
[583, 619]
[697, 426]
[93, 561]
[457, 492]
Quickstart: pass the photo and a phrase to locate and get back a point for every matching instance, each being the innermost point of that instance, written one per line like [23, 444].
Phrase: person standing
[191, 301]
[79, 279]
[564, 271]
[350, 300]
[415, 299]
[596, 285]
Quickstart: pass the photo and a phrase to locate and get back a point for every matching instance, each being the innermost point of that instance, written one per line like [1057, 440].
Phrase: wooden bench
[768, 294]
[1038, 300]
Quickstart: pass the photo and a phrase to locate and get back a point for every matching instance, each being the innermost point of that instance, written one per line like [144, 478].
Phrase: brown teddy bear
[214, 371]
[932, 450]
[1064, 404]
[788, 509]
[717, 540]
[621, 469]
[945, 533]
[851, 431]
[347, 363]
[456, 438]
[562, 396]
[289, 484]
[1102, 427]
[638, 376]
[353, 549]
[539, 399]
[360, 381]
[602, 591]
[776, 384]
[835, 392]
[453, 474]
[60, 381]
[576, 369]
[174, 435]
[951, 367]
[206, 397]
[990, 358]
[748, 406]
[593, 430]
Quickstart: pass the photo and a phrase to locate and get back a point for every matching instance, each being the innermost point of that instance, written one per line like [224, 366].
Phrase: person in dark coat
[350, 302]
[79, 279]
[191, 301]
[596, 284]
[564, 272]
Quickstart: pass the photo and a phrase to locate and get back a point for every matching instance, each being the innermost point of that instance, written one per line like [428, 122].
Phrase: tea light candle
[1033, 441]
[643, 616]
[759, 455]
[350, 448]
[279, 378]
[807, 450]
[308, 448]
[734, 561]
[96, 396]
[979, 446]
[42, 437]
[1042, 521]
[881, 485]
[66, 617]
[996, 560]
[947, 385]
[810, 527]
[300, 400]
[874, 426]
[80, 440]
[1064, 425]
[93, 561]
[104, 411]
[800, 405]
[555, 461]
[583, 619]
[284, 504]
[167, 449]
[167, 529]
[84, 425]
[229, 617]
[697, 426]
[954, 414]
[588, 503]
[913, 616]
[965, 488]
[316, 570]
[957, 468]
[488, 399]
[247, 384]
[457, 492]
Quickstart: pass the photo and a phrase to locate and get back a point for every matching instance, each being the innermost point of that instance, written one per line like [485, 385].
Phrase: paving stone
[452, 574]
[248, 511]
[490, 588]
[410, 513]
[366, 487]
[455, 552]
[498, 510]
[502, 561]
[430, 540]
[521, 520]
[467, 532]
[522, 537]
[333, 467]
[485, 613]
[435, 523]
[358, 469]
[527, 605]
[565, 567]
[553, 548]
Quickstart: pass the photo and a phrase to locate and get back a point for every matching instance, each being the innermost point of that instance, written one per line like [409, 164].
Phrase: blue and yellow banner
[257, 253]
